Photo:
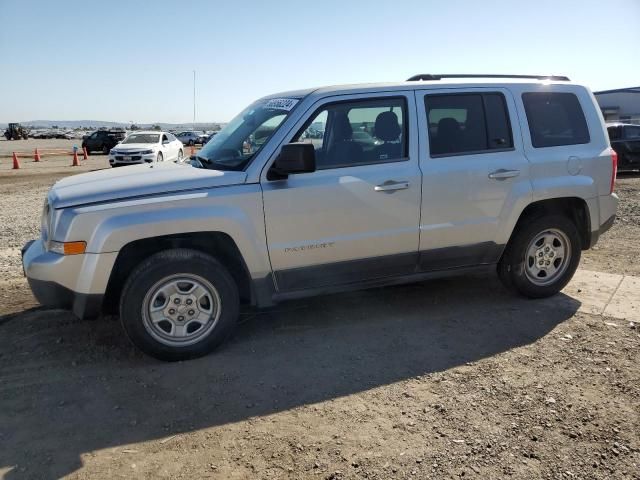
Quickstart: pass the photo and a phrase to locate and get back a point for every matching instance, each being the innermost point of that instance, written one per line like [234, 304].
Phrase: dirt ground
[402, 382]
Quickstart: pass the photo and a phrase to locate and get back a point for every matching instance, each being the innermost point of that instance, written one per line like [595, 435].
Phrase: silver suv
[456, 175]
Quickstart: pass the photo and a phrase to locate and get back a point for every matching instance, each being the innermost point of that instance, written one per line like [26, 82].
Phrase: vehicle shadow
[70, 387]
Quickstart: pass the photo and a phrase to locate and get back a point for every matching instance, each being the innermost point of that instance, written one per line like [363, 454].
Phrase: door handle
[503, 174]
[390, 186]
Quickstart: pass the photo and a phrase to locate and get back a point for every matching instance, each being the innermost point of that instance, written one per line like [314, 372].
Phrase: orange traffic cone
[85, 155]
[76, 162]
[16, 163]
[36, 156]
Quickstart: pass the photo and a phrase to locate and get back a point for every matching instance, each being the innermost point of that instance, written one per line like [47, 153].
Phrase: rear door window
[467, 123]
[555, 119]
[632, 132]
[614, 133]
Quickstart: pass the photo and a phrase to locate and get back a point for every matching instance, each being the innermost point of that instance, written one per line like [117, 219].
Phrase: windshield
[238, 142]
[142, 138]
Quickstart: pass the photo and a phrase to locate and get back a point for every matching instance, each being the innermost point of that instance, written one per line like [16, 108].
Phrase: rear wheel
[179, 304]
[541, 257]
[180, 156]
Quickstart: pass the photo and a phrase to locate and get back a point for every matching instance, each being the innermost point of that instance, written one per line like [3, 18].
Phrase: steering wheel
[226, 153]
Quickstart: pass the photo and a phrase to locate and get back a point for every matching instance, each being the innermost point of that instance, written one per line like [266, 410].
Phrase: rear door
[475, 175]
[630, 147]
[356, 217]
[175, 144]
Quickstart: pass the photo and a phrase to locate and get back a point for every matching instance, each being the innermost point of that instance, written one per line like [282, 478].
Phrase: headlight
[146, 152]
[45, 222]
[113, 152]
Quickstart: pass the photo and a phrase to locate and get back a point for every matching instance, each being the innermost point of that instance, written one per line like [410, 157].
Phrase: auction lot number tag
[281, 104]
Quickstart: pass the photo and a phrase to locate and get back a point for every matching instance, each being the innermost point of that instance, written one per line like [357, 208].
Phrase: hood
[135, 181]
[125, 147]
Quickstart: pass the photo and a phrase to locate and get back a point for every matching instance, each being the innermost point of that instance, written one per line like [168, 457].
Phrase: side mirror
[295, 158]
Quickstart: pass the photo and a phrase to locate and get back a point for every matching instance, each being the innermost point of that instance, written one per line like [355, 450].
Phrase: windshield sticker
[281, 104]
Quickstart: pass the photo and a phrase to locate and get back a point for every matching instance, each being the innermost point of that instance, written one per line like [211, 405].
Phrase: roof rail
[440, 76]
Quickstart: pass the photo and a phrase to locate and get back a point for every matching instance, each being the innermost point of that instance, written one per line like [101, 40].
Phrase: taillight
[614, 169]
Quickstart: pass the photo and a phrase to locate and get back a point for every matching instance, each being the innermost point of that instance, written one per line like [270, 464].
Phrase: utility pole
[194, 100]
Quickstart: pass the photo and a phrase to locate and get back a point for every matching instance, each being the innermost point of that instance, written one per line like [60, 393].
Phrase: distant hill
[72, 124]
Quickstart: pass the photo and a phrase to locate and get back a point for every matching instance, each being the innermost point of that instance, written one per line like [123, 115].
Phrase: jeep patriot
[317, 191]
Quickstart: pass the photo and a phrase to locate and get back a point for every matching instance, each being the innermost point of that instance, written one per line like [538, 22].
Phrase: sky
[133, 60]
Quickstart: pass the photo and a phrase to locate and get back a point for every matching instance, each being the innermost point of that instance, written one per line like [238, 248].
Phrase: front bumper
[54, 295]
[134, 159]
[50, 276]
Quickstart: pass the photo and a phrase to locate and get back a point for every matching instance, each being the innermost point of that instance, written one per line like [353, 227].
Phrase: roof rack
[440, 76]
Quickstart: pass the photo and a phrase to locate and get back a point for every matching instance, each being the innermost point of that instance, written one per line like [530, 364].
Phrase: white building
[622, 104]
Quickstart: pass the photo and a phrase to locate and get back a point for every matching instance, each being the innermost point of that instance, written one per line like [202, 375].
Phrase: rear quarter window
[555, 119]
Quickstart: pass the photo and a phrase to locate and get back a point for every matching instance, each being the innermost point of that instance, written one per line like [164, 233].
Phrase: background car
[147, 147]
[209, 137]
[191, 137]
[625, 140]
[103, 140]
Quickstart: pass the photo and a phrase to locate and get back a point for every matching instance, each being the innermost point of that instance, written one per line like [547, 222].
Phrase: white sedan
[147, 147]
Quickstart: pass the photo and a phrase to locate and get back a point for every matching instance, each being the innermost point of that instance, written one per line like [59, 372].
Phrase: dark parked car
[625, 140]
[103, 140]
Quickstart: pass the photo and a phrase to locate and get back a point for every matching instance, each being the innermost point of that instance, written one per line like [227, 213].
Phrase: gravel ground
[617, 250]
[403, 382]
[22, 194]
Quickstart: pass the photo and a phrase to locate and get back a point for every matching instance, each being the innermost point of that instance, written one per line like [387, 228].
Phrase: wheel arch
[574, 208]
[217, 244]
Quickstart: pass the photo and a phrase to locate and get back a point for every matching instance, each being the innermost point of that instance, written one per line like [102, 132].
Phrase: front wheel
[105, 150]
[179, 304]
[160, 157]
[541, 257]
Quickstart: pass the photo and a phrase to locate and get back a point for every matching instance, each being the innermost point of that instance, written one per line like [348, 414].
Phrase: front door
[356, 218]
[166, 147]
[476, 176]
[93, 141]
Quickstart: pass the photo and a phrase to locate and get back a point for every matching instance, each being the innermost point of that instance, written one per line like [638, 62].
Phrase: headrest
[387, 127]
[448, 125]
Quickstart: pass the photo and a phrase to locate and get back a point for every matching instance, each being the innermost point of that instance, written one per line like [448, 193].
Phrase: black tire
[105, 150]
[512, 268]
[160, 157]
[191, 143]
[164, 265]
[180, 158]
